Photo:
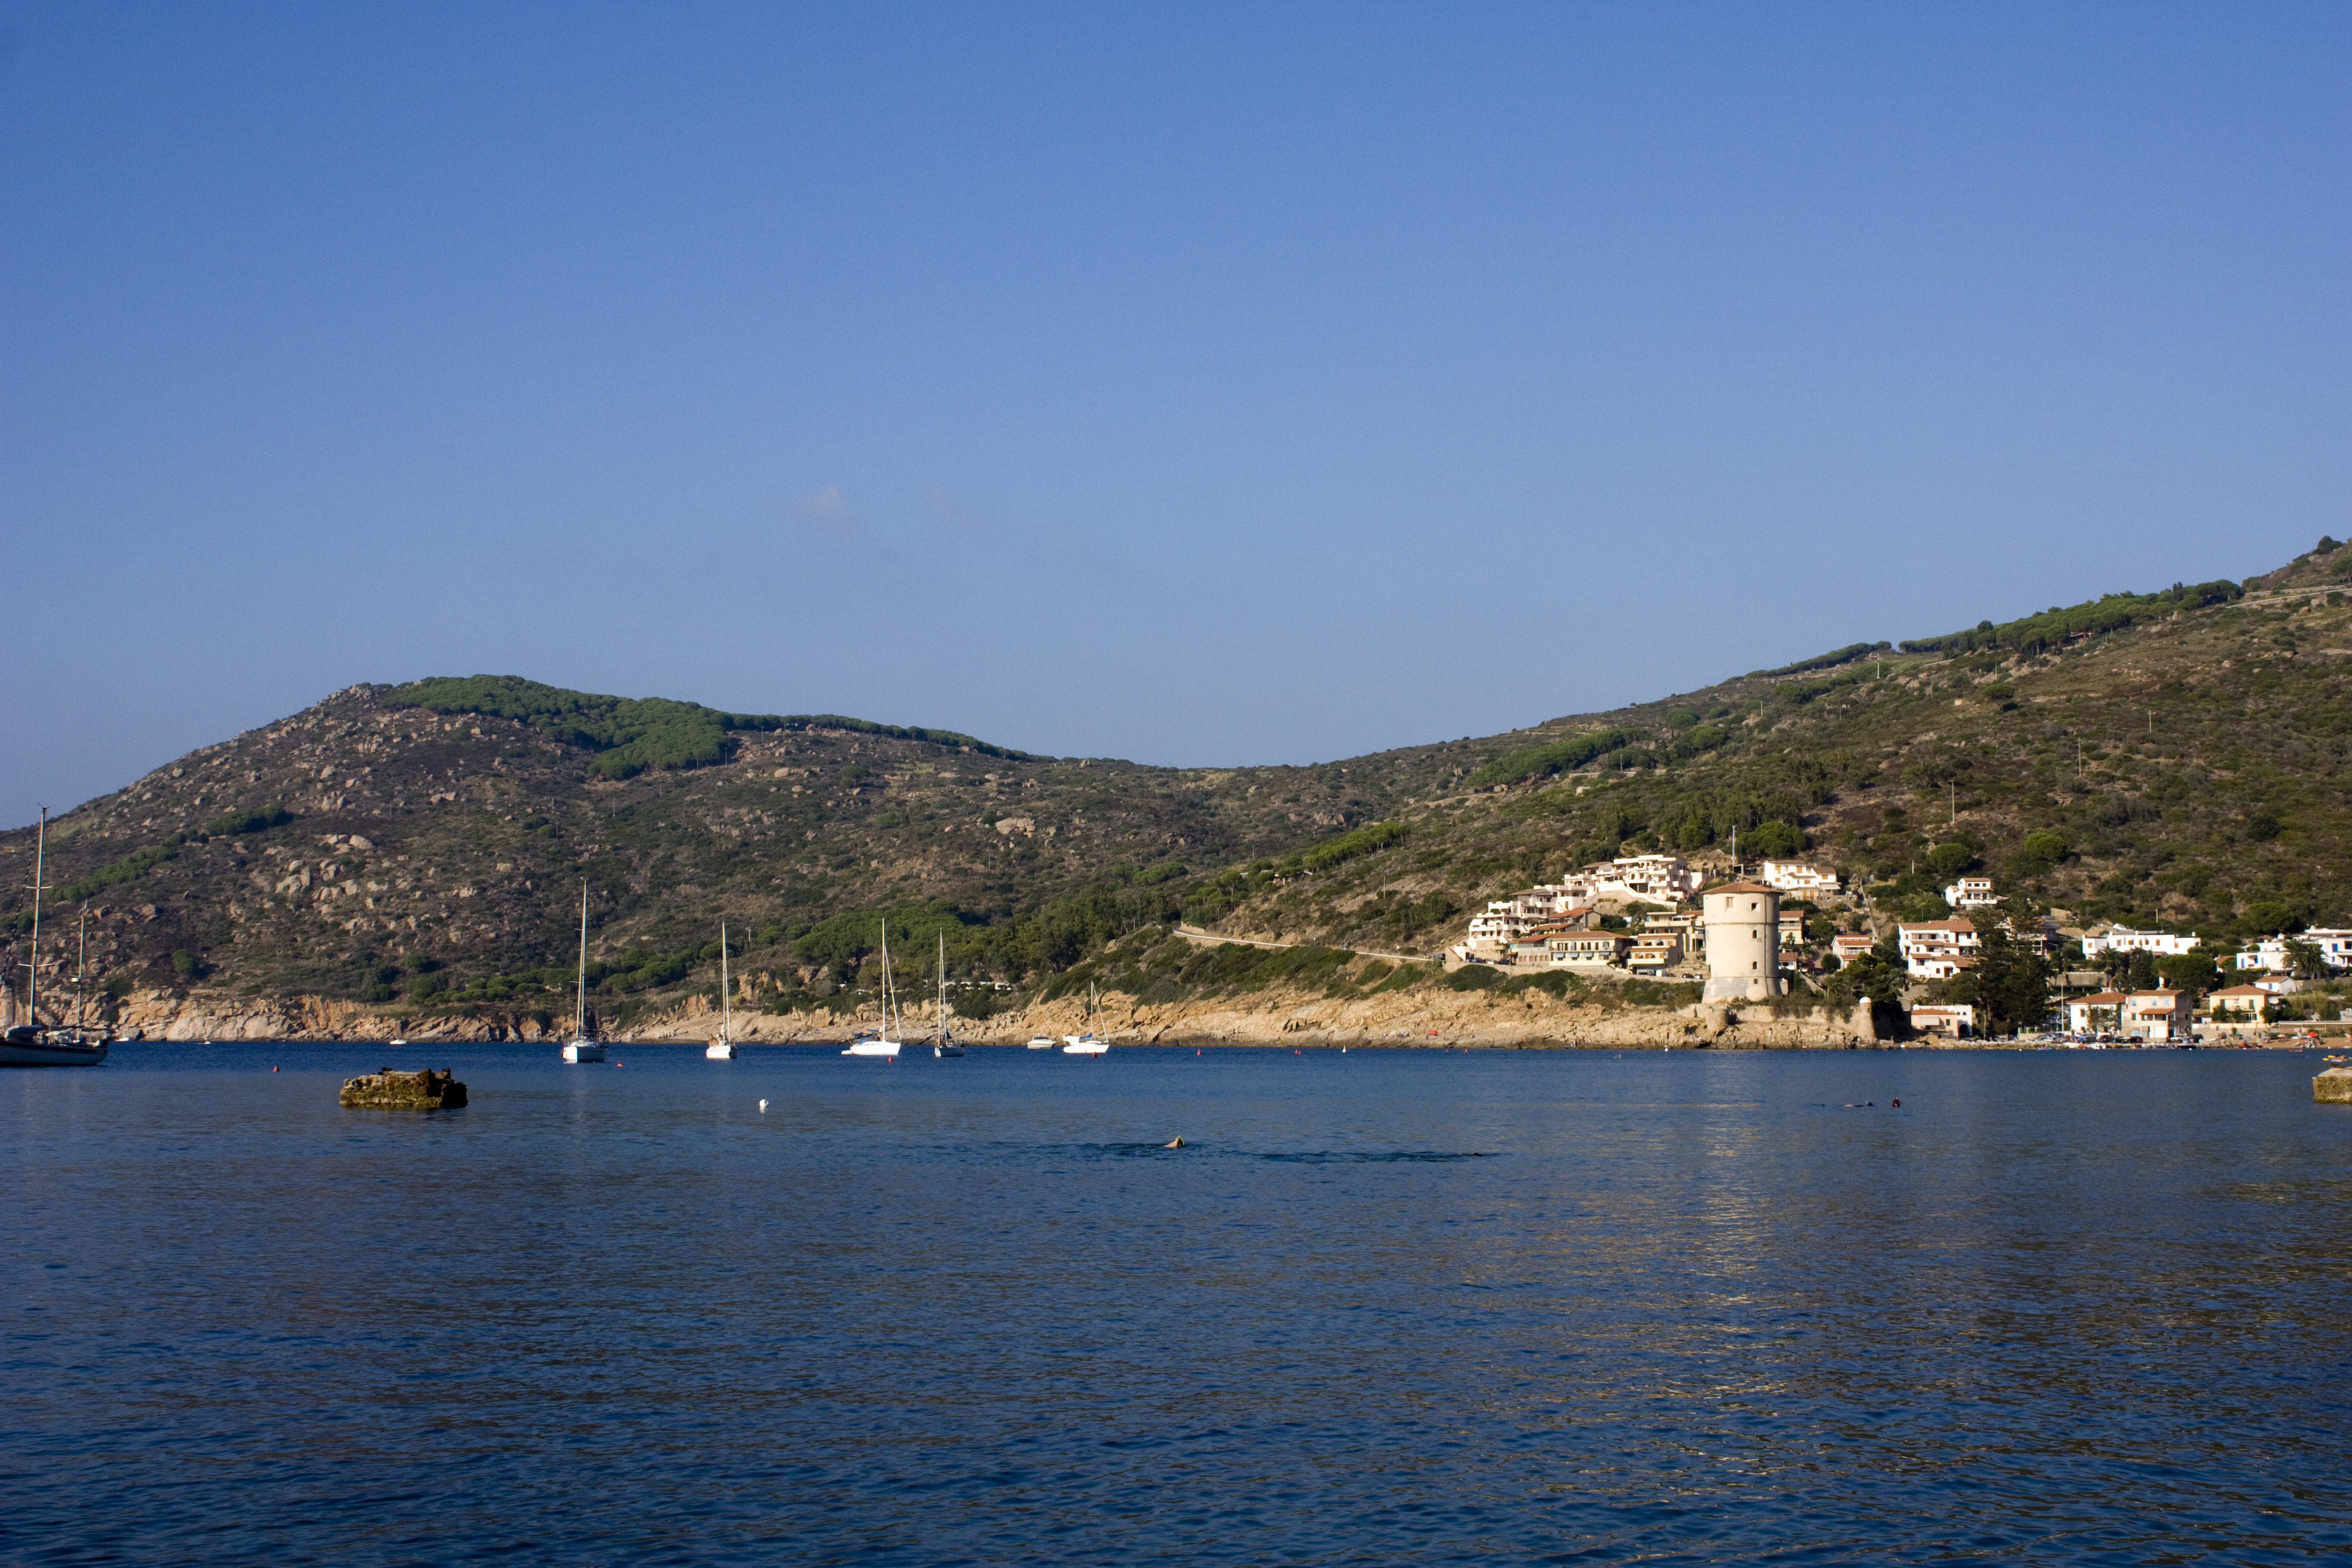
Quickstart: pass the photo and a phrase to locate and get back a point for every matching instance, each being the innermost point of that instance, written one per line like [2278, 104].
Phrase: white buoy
[763, 1105]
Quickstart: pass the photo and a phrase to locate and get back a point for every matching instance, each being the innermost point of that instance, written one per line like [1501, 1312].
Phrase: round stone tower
[1743, 942]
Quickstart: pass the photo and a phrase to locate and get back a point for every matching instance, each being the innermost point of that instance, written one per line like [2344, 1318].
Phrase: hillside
[2172, 757]
[2175, 758]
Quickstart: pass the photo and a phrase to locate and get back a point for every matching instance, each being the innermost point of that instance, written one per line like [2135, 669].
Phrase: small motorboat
[1041, 1042]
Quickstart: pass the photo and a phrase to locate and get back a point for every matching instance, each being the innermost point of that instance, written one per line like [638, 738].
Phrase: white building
[1956, 1019]
[1656, 953]
[2335, 949]
[1507, 920]
[1652, 879]
[1743, 942]
[1970, 893]
[1938, 950]
[1798, 877]
[2123, 939]
[2153, 1016]
[1850, 945]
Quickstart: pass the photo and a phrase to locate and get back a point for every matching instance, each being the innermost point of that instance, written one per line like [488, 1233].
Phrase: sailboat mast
[580, 1008]
[726, 992]
[33, 976]
[944, 988]
[81, 963]
[885, 979]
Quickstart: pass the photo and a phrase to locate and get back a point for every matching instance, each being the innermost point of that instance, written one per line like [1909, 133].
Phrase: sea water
[1383, 1307]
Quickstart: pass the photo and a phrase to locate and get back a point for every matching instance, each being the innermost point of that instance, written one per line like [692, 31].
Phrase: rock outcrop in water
[390, 1091]
[2332, 1087]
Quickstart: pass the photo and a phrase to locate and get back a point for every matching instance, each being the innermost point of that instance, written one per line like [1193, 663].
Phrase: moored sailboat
[580, 1048]
[32, 1044]
[944, 1045]
[722, 1050]
[877, 1042]
[1086, 1045]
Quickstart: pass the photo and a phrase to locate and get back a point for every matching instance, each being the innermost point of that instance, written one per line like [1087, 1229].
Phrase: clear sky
[1193, 384]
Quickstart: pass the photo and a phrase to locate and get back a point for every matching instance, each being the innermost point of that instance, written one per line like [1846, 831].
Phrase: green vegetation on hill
[258, 820]
[632, 734]
[2055, 626]
[133, 866]
[1822, 661]
[1557, 757]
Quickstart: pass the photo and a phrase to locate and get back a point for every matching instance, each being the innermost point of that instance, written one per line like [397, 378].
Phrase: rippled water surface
[1385, 1307]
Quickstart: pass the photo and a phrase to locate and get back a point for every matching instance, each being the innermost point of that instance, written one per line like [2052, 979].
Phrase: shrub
[136, 864]
[2046, 846]
[1347, 846]
[1559, 756]
[254, 821]
[1951, 859]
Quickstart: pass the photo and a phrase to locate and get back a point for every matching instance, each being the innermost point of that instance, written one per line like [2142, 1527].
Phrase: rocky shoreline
[1271, 1017]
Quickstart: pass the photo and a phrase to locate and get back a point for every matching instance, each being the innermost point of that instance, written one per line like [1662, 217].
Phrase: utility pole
[1955, 788]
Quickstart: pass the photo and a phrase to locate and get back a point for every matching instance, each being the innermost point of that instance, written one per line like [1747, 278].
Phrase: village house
[2153, 1016]
[1970, 893]
[2335, 949]
[1798, 877]
[1505, 919]
[1938, 950]
[1847, 946]
[1571, 948]
[2123, 939]
[1647, 879]
[1956, 1019]
[2237, 1009]
[1655, 953]
[1687, 926]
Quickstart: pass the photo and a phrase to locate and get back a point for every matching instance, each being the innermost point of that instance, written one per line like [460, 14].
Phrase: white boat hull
[585, 1051]
[48, 1054]
[1042, 1043]
[719, 1051]
[949, 1049]
[873, 1048]
[1083, 1046]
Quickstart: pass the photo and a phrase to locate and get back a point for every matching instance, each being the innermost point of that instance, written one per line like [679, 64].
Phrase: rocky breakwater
[390, 1091]
[2332, 1087]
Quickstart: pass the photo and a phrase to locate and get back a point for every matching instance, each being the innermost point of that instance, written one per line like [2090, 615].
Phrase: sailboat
[722, 1050]
[30, 1044]
[1086, 1045]
[581, 1048]
[879, 1043]
[944, 1046]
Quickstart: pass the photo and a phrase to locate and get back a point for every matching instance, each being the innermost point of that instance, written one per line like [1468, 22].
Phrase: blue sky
[1199, 384]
